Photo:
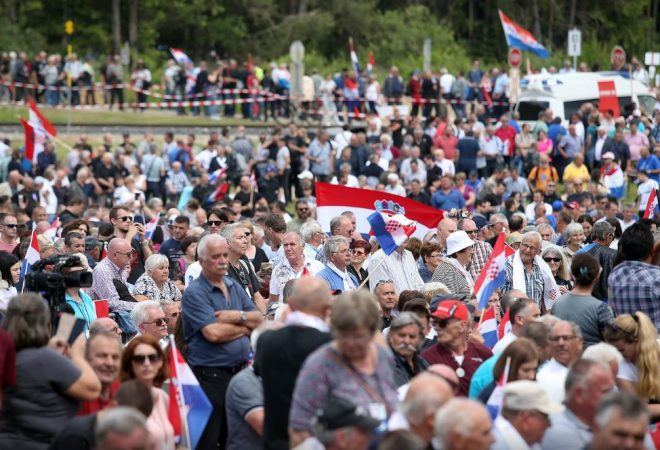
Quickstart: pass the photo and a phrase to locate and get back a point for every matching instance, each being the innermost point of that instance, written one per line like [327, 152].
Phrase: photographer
[80, 302]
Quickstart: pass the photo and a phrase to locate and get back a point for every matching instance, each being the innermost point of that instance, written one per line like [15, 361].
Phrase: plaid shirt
[635, 286]
[178, 180]
[481, 252]
[533, 282]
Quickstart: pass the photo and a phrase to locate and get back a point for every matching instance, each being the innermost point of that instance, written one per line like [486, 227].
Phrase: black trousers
[214, 382]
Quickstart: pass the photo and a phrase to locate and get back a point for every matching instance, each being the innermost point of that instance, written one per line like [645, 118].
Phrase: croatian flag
[354, 59]
[391, 231]
[492, 275]
[651, 205]
[38, 120]
[332, 200]
[494, 403]
[190, 409]
[180, 57]
[371, 62]
[517, 36]
[219, 193]
[215, 176]
[488, 327]
[253, 181]
[31, 256]
[30, 139]
[505, 325]
[52, 230]
[150, 227]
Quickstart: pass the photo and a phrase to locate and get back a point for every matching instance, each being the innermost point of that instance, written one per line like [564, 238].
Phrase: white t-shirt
[644, 190]
[47, 197]
[552, 377]
[504, 342]
[628, 371]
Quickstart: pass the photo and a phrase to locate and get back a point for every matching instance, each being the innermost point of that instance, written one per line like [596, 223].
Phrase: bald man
[282, 353]
[110, 275]
[427, 393]
[445, 228]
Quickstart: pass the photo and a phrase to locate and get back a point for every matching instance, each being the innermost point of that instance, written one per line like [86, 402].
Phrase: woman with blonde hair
[636, 338]
[559, 264]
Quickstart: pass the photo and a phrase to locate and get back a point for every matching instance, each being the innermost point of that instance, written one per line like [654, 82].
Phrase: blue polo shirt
[200, 301]
[651, 162]
[453, 199]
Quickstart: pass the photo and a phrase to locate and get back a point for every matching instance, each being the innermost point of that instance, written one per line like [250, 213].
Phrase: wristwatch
[242, 317]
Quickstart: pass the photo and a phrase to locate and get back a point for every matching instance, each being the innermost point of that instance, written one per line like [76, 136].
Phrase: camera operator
[80, 302]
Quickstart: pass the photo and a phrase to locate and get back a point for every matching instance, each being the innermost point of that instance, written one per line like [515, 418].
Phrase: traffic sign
[515, 57]
[574, 42]
[68, 27]
[618, 57]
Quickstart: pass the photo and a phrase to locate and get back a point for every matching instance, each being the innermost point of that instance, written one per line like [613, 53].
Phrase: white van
[565, 93]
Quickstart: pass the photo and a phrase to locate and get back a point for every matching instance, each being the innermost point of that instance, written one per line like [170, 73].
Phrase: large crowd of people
[304, 337]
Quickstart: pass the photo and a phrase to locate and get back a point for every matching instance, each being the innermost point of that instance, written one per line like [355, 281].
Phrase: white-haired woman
[559, 264]
[574, 239]
[154, 284]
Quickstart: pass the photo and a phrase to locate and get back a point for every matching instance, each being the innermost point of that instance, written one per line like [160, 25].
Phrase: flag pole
[182, 412]
[372, 271]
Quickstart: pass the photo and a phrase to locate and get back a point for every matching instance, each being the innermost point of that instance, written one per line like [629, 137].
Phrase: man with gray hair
[526, 271]
[240, 268]
[150, 320]
[339, 226]
[621, 423]
[314, 237]
[602, 235]
[293, 266]
[405, 337]
[122, 427]
[586, 384]
[566, 342]
[335, 273]
[463, 424]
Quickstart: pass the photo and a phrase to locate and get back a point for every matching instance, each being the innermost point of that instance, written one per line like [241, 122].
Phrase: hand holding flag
[391, 231]
[492, 275]
[488, 327]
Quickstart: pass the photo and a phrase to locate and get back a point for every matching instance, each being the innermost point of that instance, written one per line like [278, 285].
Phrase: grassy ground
[9, 116]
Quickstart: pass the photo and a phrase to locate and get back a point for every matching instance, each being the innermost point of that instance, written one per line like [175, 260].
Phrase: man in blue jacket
[335, 273]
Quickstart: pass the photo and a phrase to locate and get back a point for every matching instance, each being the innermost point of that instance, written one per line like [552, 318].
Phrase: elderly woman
[406, 336]
[452, 270]
[145, 361]
[49, 385]
[431, 257]
[556, 259]
[359, 251]
[352, 367]
[154, 283]
[255, 254]
[574, 239]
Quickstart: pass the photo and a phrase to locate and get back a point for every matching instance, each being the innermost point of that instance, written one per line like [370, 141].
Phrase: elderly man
[294, 265]
[526, 271]
[621, 423]
[463, 424]
[172, 312]
[386, 296]
[566, 343]
[314, 237]
[481, 250]
[521, 312]
[218, 318]
[123, 427]
[335, 273]
[150, 320]
[405, 337]
[400, 267]
[524, 417]
[453, 348]
[602, 235]
[103, 353]
[240, 268]
[586, 384]
[282, 353]
[445, 227]
[426, 394]
[74, 242]
[339, 226]
[110, 276]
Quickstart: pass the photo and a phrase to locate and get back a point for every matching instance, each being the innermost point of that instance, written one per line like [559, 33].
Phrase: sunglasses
[141, 359]
[214, 223]
[10, 225]
[125, 218]
[440, 323]
[303, 209]
[158, 322]
[126, 254]
[384, 282]
[552, 260]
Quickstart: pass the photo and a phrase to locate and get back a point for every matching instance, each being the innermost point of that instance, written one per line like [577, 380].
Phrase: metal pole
[574, 63]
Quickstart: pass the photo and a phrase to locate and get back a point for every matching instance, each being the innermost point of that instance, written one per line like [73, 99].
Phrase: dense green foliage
[393, 29]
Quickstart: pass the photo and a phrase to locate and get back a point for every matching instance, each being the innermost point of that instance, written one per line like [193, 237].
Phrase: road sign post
[574, 45]
[618, 57]
[297, 53]
[514, 57]
[427, 54]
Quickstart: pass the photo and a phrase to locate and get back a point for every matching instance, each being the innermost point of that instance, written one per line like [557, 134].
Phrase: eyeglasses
[125, 254]
[141, 359]
[358, 252]
[10, 225]
[158, 322]
[531, 247]
[559, 338]
[555, 260]
[125, 218]
[471, 232]
[214, 223]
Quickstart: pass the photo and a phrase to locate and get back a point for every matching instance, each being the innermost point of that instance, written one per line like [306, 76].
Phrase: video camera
[52, 282]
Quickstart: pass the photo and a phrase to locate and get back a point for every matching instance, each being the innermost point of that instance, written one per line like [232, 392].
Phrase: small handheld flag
[492, 275]
[31, 256]
[29, 139]
[354, 58]
[150, 227]
[651, 205]
[495, 400]
[180, 57]
[391, 231]
[488, 327]
[37, 119]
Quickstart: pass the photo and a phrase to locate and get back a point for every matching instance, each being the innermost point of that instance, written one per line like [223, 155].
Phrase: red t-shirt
[474, 356]
[97, 405]
[507, 134]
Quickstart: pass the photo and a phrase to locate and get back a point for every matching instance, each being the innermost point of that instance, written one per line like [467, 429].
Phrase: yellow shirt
[573, 172]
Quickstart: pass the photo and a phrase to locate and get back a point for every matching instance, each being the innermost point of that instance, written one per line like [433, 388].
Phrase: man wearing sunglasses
[8, 232]
[453, 348]
[150, 320]
[124, 227]
[303, 216]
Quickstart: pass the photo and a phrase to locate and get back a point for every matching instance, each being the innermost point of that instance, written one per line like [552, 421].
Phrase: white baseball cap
[526, 395]
[458, 241]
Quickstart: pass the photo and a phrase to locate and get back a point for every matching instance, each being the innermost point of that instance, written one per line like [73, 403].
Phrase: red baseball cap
[452, 309]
